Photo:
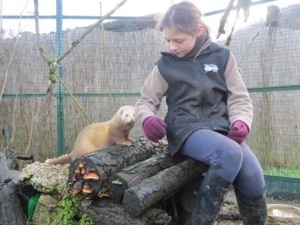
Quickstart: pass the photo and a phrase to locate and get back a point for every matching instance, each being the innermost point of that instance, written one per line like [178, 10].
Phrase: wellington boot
[253, 210]
[211, 195]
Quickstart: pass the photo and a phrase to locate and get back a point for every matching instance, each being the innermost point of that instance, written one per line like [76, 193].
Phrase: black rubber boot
[253, 210]
[211, 195]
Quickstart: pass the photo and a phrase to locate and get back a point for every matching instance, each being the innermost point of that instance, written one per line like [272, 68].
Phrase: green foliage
[67, 216]
[86, 220]
[282, 172]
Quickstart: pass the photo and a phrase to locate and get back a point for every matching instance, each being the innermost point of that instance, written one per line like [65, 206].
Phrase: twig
[90, 29]
[50, 88]
[231, 33]
[106, 59]
[7, 69]
[37, 31]
[224, 19]
[74, 99]
[247, 49]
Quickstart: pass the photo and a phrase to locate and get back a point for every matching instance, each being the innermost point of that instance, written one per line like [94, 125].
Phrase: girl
[209, 115]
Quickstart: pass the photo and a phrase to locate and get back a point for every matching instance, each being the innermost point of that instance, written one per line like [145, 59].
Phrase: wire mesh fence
[107, 69]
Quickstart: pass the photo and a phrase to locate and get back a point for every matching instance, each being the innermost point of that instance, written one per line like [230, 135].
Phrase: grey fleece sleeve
[152, 93]
[239, 103]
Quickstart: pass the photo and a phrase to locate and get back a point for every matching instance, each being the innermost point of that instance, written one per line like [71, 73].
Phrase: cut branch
[133, 175]
[161, 186]
[224, 19]
[90, 29]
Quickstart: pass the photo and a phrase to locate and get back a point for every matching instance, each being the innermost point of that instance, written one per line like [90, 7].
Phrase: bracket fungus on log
[89, 173]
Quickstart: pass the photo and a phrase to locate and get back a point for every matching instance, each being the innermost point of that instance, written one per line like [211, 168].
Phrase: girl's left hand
[238, 132]
[154, 128]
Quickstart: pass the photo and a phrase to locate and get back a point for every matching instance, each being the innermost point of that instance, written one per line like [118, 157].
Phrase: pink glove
[154, 128]
[238, 132]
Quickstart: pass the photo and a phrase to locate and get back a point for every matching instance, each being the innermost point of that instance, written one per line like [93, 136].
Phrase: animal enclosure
[108, 68]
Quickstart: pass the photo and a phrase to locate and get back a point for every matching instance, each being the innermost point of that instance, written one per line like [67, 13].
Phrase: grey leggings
[232, 161]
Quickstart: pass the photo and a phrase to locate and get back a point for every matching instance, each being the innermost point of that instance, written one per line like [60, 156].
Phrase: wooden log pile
[161, 186]
[133, 184]
[137, 177]
[88, 175]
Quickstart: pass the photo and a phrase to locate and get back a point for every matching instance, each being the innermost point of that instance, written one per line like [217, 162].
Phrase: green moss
[67, 216]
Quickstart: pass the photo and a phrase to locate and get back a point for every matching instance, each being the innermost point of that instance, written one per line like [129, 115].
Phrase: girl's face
[181, 43]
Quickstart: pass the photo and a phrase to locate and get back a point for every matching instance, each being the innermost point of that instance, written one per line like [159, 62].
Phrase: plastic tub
[280, 214]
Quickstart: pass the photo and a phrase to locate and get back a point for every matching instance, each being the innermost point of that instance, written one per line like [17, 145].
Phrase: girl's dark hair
[184, 16]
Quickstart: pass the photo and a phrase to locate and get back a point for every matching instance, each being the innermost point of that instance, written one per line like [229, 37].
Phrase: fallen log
[88, 174]
[10, 208]
[161, 186]
[107, 211]
[133, 175]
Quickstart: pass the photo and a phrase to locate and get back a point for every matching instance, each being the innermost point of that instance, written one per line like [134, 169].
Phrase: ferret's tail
[64, 159]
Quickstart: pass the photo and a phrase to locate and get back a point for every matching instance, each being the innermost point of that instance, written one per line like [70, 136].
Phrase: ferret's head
[128, 114]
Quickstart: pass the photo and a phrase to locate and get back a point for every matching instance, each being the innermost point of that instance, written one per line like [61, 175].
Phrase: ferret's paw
[126, 143]
[130, 140]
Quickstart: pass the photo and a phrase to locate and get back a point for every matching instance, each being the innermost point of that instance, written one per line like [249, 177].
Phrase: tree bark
[107, 212]
[106, 162]
[10, 208]
[161, 186]
[133, 175]
[11, 158]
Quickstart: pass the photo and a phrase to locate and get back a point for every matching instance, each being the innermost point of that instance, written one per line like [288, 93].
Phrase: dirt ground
[229, 214]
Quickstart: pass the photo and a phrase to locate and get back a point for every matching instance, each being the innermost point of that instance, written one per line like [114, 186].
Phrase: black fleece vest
[197, 93]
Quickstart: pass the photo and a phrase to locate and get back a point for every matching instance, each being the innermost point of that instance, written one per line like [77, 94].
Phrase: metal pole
[59, 95]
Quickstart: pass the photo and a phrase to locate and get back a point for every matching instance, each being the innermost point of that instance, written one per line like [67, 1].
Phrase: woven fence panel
[108, 68]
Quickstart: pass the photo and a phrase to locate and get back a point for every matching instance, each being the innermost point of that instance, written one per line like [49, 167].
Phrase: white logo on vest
[210, 67]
